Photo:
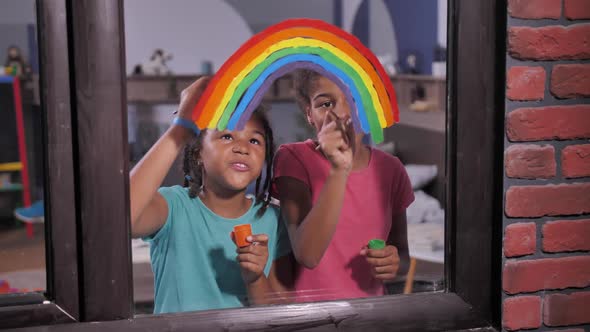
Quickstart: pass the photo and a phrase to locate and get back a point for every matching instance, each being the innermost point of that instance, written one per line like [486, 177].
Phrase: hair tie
[186, 124]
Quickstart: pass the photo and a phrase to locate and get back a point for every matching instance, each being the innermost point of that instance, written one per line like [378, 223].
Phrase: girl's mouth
[240, 167]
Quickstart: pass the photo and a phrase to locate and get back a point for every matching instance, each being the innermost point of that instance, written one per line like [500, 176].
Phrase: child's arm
[276, 288]
[263, 289]
[398, 237]
[311, 227]
[393, 260]
[149, 209]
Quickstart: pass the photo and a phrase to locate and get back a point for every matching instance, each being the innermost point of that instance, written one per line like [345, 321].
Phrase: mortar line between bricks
[512, 105]
[559, 143]
[544, 22]
[540, 240]
[544, 292]
[515, 62]
[556, 180]
[544, 255]
[547, 219]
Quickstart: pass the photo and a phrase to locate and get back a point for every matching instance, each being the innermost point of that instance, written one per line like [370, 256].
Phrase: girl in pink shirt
[337, 194]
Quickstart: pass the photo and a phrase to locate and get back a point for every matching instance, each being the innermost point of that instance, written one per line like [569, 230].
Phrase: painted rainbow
[238, 87]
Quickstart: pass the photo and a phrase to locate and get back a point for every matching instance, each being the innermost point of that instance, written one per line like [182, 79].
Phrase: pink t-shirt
[373, 195]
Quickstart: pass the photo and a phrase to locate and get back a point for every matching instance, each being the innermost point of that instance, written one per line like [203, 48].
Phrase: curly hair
[193, 167]
[304, 80]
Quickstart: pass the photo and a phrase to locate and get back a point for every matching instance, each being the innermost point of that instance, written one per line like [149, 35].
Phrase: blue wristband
[186, 124]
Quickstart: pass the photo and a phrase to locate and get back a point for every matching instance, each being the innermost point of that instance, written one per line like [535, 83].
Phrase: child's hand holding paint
[336, 139]
[252, 252]
[383, 259]
[190, 96]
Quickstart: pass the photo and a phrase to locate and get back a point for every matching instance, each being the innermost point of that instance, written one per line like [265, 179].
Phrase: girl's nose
[240, 147]
[342, 112]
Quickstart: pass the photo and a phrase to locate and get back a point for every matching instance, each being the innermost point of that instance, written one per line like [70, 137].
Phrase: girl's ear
[308, 114]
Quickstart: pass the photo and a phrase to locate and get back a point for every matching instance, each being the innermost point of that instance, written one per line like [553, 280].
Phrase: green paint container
[376, 244]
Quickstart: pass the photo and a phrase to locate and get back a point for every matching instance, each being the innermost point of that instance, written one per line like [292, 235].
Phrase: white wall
[17, 12]
[349, 9]
[381, 32]
[212, 30]
[15, 15]
[262, 13]
[442, 23]
[193, 31]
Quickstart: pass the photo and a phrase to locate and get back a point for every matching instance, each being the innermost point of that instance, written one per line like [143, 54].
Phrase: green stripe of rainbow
[298, 37]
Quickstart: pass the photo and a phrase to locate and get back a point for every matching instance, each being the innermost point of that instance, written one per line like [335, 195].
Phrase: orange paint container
[241, 232]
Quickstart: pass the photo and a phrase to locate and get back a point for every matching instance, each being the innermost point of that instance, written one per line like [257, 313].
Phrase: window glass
[22, 220]
[409, 39]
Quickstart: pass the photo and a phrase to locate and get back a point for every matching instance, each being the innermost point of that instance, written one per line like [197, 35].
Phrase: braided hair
[193, 168]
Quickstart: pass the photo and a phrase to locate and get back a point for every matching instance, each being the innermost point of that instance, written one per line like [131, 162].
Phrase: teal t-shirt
[194, 258]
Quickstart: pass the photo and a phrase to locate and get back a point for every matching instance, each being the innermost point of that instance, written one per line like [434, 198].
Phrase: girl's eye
[327, 104]
[255, 141]
[226, 137]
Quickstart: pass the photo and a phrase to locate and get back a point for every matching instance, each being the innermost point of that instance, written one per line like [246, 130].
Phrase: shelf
[12, 187]
[431, 120]
[154, 90]
[11, 167]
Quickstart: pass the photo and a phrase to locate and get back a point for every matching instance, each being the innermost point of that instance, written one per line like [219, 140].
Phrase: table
[426, 243]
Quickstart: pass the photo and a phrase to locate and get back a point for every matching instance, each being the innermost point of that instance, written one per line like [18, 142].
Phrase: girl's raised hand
[336, 139]
[190, 96]
[253, 258]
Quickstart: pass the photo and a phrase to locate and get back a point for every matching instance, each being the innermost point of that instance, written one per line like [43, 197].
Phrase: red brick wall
[546, 264]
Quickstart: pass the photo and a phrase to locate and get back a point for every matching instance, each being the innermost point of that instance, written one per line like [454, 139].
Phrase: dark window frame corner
[60, 303]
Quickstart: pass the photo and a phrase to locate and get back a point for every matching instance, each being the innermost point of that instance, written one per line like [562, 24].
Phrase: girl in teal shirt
[196, 264]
